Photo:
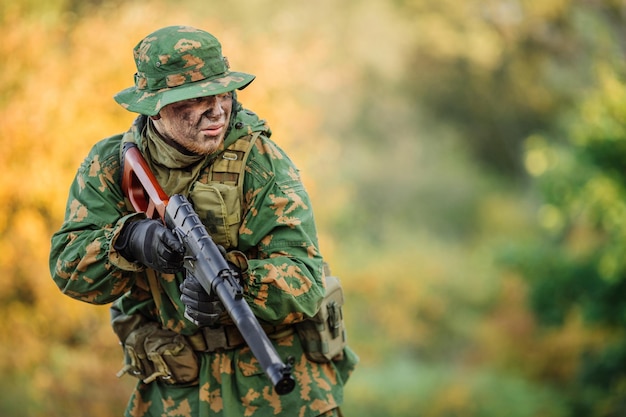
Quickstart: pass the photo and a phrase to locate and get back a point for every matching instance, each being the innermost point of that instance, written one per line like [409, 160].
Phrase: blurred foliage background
[467, 162]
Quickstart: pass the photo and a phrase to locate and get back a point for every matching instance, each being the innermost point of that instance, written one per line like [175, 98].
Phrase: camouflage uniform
[284, 280]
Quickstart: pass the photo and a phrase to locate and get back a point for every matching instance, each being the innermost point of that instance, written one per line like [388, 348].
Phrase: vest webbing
[229, 167]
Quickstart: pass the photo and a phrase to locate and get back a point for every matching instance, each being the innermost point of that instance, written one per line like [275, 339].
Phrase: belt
[228, 337]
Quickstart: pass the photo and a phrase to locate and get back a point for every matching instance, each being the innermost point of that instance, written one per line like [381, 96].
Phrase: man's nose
[211, 106]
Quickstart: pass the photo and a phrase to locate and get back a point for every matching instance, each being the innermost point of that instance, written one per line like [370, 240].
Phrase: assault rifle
[203, 259]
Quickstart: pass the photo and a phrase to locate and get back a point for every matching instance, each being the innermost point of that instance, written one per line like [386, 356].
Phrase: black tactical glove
[152, 244]
[201, 308]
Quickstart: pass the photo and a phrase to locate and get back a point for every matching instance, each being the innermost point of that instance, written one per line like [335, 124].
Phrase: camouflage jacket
[284, 283]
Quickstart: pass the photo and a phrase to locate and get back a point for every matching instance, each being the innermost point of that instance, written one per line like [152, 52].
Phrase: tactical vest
[218, 201]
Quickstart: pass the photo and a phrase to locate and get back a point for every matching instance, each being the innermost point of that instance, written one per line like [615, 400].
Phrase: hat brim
[151, 102]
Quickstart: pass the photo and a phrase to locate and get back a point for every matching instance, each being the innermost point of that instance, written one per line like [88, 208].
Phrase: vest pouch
[136, 362]
[324, 336]
[172, 358]
[219, 208]
[151, 353]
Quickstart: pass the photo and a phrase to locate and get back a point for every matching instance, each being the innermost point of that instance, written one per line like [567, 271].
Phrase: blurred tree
[498, 70]
[578, 267]
[450, 93]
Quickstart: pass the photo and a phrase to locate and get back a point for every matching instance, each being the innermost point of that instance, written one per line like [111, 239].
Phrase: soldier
[189, 357]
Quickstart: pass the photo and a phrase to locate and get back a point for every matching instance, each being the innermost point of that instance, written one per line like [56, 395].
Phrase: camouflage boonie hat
[177, 63]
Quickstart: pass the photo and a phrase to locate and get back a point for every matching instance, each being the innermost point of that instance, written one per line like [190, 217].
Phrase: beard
[202, 137]
[202, 144]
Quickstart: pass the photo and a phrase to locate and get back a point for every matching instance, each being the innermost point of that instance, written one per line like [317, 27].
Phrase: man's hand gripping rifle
[203, 259]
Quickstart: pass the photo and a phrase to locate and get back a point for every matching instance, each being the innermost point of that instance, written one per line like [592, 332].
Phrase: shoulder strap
[155, 288]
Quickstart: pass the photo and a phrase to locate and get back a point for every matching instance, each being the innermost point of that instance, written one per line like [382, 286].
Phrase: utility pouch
[219, 208]
[151, 353]
[324, 336]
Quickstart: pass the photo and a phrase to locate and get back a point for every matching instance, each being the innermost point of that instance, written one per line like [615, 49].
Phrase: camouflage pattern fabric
[284, 283]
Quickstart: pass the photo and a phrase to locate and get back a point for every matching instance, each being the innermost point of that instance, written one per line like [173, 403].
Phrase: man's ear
[157, 117]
